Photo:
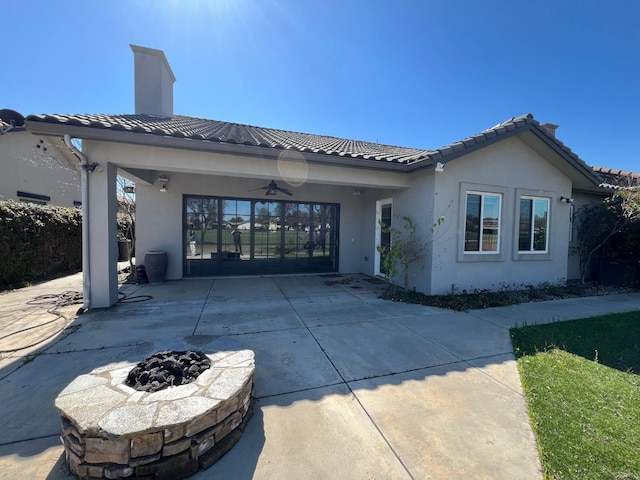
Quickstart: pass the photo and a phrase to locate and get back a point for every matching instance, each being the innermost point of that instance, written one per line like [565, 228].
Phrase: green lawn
[583, 395]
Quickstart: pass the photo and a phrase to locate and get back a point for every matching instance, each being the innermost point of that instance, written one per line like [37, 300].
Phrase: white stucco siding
[159, 214]
[417, 203]
[512, 169]
[41, 171]
[509, 167]
[369, 242]
[102, 228]
[290, 166]
[159, 225]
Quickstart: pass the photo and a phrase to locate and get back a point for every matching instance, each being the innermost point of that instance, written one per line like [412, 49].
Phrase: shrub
[407, 248]
[506, 295]
[38, 242]
[608, 227]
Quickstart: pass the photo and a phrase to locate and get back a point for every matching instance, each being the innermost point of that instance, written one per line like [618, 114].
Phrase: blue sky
[411, 73]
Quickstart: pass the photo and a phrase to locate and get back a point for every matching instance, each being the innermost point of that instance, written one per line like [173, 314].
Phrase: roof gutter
[86, 277]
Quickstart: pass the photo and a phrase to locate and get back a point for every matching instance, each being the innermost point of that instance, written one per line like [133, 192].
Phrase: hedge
[38, 242]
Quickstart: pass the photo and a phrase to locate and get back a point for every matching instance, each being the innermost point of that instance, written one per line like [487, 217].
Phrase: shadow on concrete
[327, 349]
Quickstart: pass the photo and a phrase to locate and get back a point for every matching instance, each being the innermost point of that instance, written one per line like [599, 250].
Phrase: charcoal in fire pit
[167, 368]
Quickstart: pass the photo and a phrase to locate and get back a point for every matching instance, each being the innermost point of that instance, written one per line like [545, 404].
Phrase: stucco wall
[26, 168]
[367, 220]
[425, 195]
[159, 214]
[511, 168]
[416, 202]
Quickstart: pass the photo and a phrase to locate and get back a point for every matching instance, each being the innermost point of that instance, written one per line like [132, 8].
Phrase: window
[36, 198]
[533, 230]
[482, 223]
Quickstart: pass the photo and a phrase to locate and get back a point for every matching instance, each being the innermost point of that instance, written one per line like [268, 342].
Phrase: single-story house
[505, 194]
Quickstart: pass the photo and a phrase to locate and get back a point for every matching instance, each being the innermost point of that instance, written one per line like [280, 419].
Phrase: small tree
[597, 223]
[127, 216]
[407, 248]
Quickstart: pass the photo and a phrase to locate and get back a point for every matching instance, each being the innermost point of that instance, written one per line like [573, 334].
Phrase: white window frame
[536, 255]
[504, 212]
[531, 251]
[483, 195]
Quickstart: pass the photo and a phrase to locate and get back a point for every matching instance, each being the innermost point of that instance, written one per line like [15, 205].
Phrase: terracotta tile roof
[180, 126]
[214, 131]
[614, 179]
[510, 126]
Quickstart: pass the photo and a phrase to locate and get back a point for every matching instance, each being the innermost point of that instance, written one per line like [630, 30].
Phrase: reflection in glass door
[235, 236]
[228, 236]
[383, 241]
[267, 236]
[201, 232]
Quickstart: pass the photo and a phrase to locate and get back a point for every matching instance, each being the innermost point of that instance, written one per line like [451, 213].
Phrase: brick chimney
[153, 82]
[550, 128]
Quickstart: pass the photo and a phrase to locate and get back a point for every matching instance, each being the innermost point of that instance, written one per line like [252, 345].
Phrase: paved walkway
[347, 385]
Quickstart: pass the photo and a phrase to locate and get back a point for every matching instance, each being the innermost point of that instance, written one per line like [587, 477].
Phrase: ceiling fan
[273, 188]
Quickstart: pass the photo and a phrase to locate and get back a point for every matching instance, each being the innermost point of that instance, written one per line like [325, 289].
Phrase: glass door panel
[227, 236]
[322, 220]
[267, 237]
[201, 235]
[323, 241]
[385, 235]
[290, 230]
[235, 237]
[302, 231]
[236, 231]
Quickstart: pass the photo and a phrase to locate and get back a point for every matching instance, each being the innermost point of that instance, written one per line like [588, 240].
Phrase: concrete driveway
[347, 385]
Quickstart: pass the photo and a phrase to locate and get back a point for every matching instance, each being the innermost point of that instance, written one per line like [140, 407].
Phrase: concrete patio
[347, 385]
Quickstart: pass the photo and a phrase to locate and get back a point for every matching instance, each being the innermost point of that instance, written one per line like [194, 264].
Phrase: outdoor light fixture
[356, 192]
[163, 179]
[92, 167]
[439, 167]
[566, 200]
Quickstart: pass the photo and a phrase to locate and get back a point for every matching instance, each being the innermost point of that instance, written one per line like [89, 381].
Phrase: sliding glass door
[230, 236]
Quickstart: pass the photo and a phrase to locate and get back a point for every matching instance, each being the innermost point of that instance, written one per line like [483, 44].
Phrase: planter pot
[141, 274]
[123, 250]
[156, 266]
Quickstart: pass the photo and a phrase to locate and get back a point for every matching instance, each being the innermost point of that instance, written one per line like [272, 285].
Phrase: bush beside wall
[38, 242]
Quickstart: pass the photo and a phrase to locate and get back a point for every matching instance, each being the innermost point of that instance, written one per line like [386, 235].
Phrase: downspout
[86, 277]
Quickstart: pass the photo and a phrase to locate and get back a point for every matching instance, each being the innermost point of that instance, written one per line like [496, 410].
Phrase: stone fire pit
[110, 430]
